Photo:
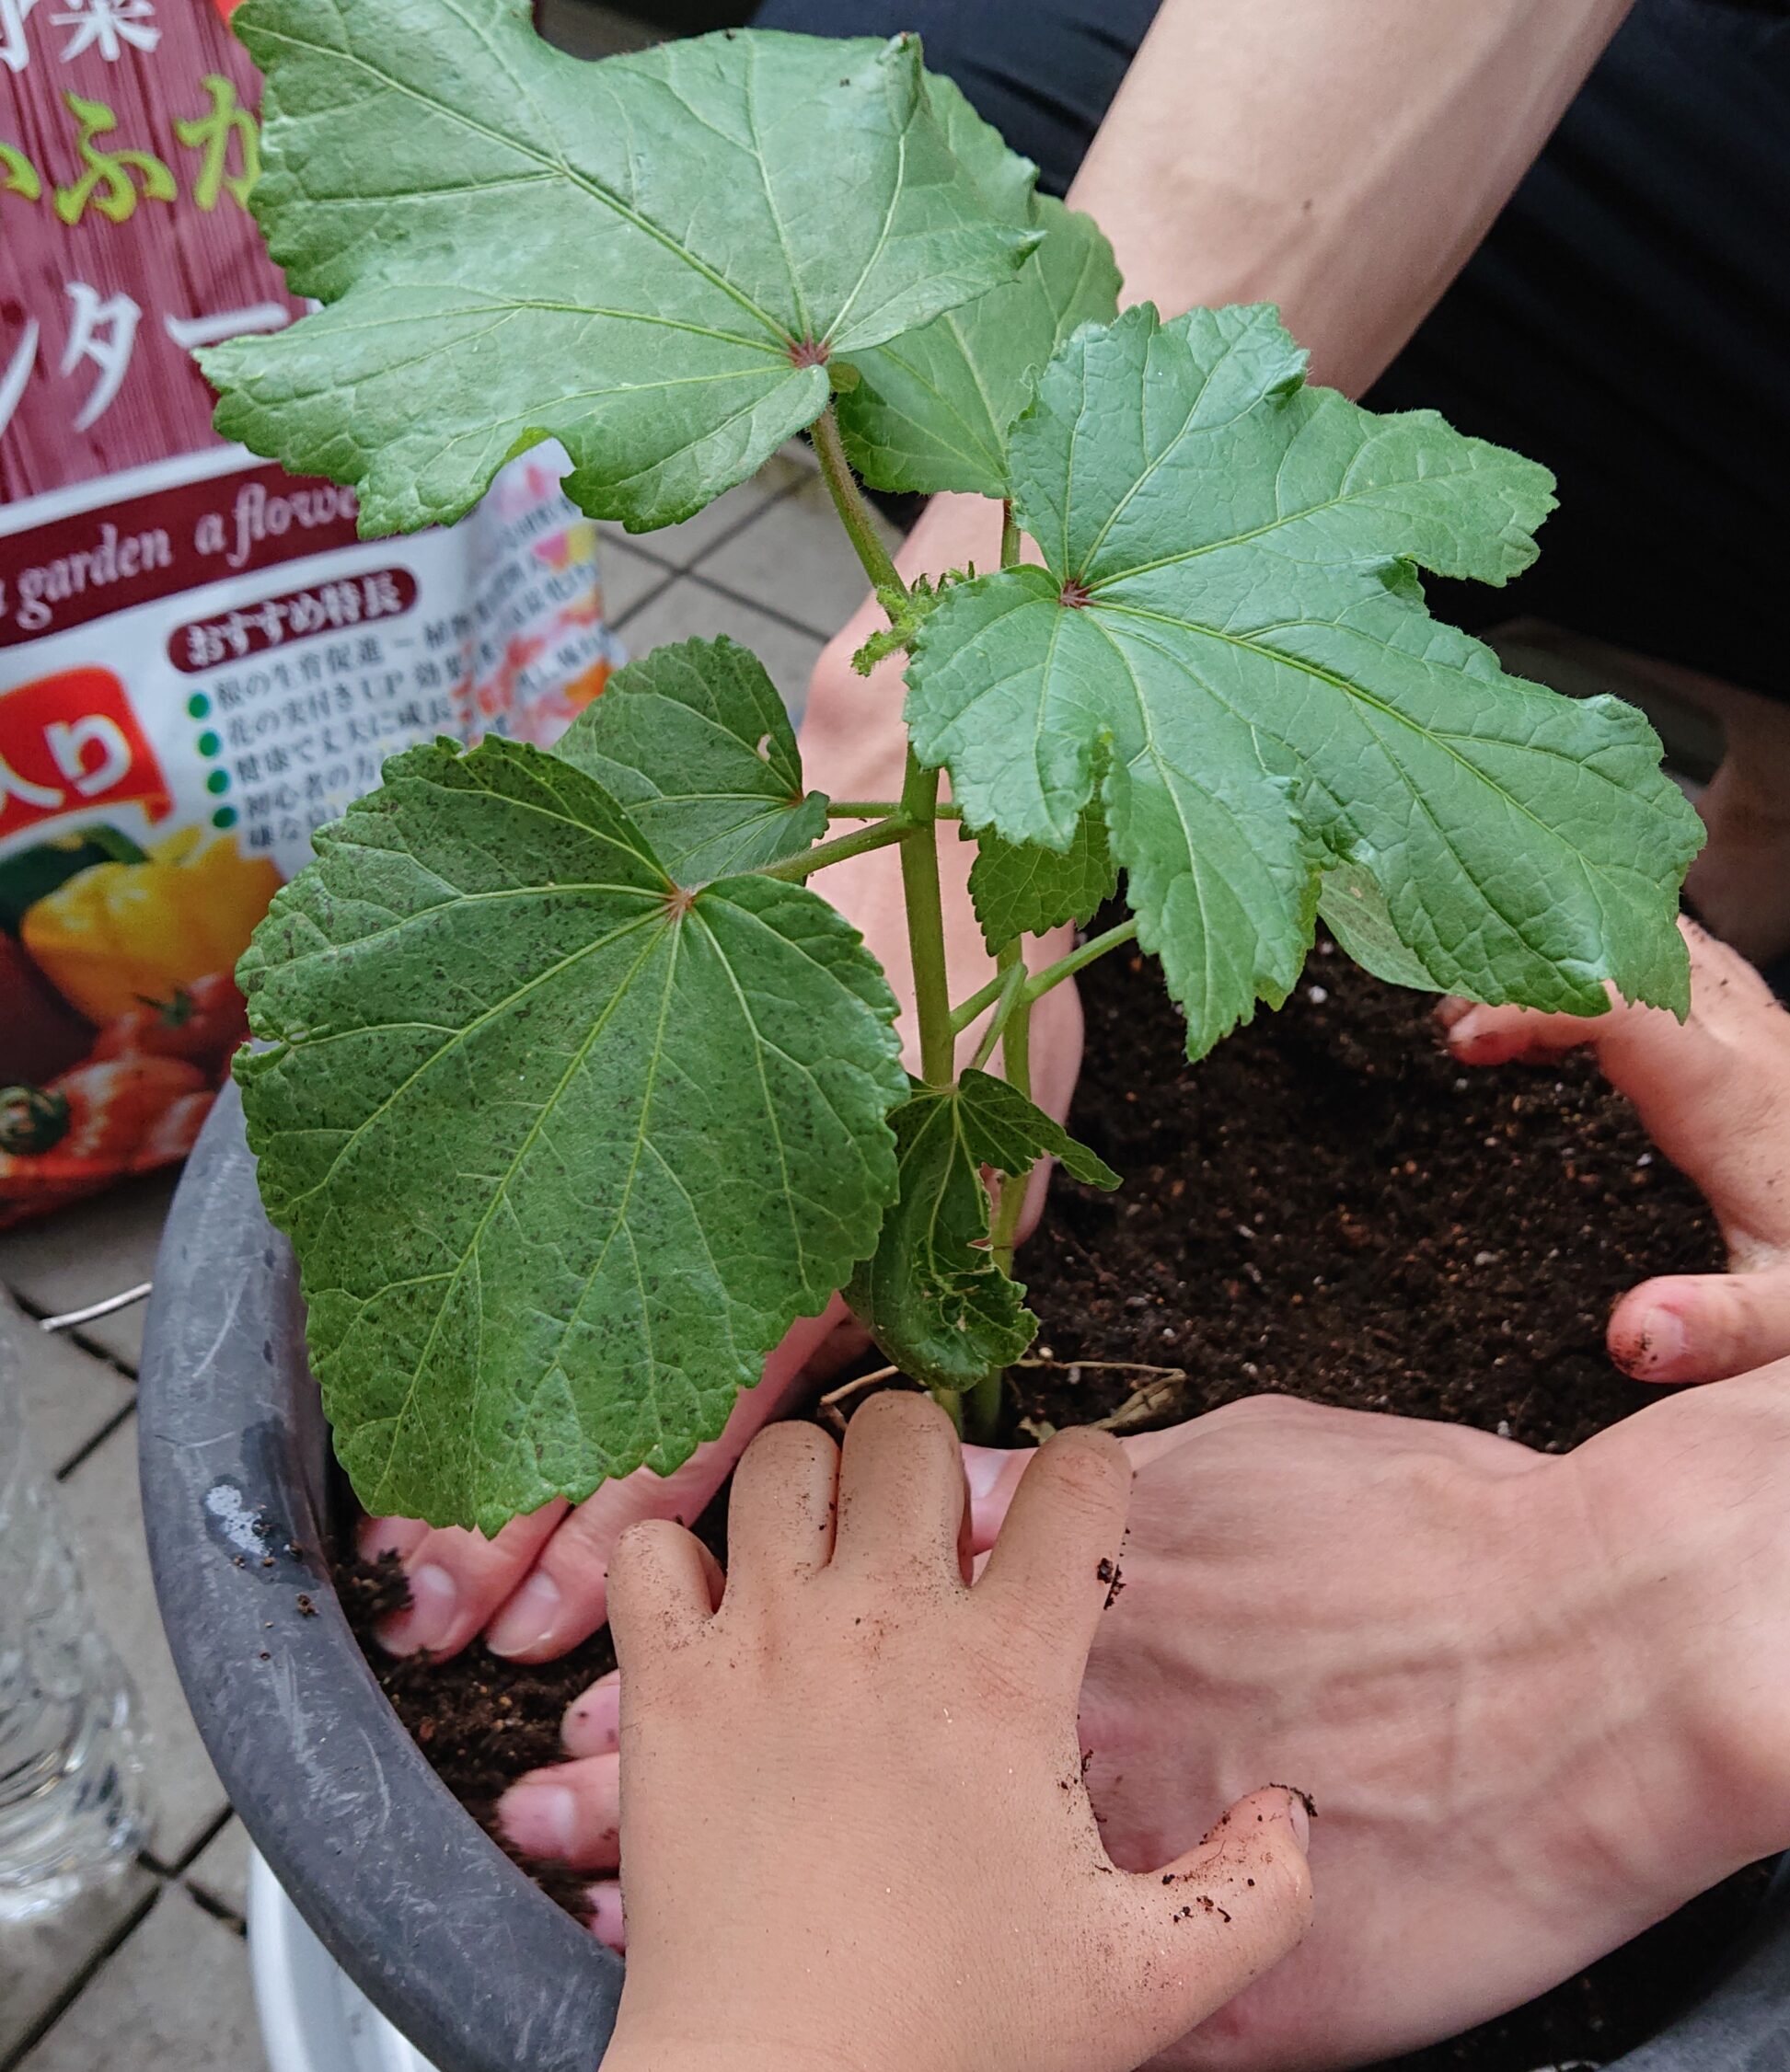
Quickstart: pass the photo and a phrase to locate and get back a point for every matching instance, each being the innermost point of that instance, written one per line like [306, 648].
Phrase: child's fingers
[1055, 1563]
[779, 1515]
[569, 1814]
[902, 1494]
[1227, 1911]
[664, 1588]
[1702, 1327]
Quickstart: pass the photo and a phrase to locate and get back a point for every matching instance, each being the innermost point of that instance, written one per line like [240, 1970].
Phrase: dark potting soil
[1327, 1206]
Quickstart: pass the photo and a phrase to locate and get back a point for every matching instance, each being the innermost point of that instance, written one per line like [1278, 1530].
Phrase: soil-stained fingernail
[540, 1819]
[428, 1621]
[1657, 1342]
[593, 1723]
[528, 1619]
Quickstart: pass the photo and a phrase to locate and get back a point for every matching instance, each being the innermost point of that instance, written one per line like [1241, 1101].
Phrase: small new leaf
[932, 1295]
[907, 615]
[1010, 1134]
[696, 743]
[564, 1150]
[651, 259]
[1022, 888]
[1229, 645]
[932, 409]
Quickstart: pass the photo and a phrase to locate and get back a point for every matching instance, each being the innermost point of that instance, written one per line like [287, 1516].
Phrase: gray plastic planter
[429, 1920]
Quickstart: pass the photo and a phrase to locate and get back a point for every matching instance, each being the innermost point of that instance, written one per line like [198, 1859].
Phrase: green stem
[1078, 959]
[962, 1015]
[874, 808]
[854, 512]
[982, 1410]
[950, 1401]
[1014, 1031]
[1010, 536]
[897, 828]
[1008, 981]
[925, 923]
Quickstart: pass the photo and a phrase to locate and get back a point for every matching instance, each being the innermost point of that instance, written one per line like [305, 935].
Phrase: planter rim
[461, 1951]
[453, 1944]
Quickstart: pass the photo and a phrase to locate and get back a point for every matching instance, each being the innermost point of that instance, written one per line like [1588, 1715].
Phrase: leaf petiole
[874, 808]
[1007, 986]
[1079, 958]
[855, 514]
[794, 870]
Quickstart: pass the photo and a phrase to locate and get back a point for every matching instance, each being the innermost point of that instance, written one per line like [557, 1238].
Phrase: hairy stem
[854, 512]
[874, 808]
[1014, 1029]
[1010, 536]
[925, 923]
[1078, 959]
[796, 868]
[966, 1011]
[1006, 984]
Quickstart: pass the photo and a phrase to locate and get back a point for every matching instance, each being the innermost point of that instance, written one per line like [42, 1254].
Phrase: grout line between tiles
[192, 1853]
[82, 1979]
[37, 1312]
[219, 1910]
[91, 1446]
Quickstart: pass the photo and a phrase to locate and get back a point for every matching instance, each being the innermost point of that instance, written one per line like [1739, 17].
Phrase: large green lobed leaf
[562, 1149]
[1229, 649]
[932, 409]
[514, 245]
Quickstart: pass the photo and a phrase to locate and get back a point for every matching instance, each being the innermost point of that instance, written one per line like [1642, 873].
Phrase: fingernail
[1301, 1820]
[539, 1818]
[529, 1617]
[1464, 1029]
[608, 1923]
[982, 1468]
[1660, 1340]
[593, 1723]
[429, 1618]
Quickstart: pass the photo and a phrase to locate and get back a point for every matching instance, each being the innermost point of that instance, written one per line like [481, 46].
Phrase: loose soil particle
[1327, 1206]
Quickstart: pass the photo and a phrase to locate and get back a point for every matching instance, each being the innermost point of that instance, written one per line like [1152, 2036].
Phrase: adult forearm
[1341, 158]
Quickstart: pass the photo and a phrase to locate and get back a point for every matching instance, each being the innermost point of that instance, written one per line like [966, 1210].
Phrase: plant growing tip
[574, 1094]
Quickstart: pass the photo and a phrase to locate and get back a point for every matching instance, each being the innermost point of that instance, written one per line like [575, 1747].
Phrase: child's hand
[854, 1832]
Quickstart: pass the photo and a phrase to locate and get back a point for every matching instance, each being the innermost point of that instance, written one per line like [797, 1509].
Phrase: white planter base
[313, 2017]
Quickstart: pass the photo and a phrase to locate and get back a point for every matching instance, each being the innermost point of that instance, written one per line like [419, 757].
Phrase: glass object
[70, 1748]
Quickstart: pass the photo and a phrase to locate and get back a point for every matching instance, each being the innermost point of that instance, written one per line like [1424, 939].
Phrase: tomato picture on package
[202, 1022]
[106, 1117]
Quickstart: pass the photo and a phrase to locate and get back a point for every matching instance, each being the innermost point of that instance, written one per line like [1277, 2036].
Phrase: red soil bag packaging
[199, 663]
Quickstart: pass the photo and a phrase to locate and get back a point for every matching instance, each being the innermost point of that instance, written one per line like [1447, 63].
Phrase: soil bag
[199, 661]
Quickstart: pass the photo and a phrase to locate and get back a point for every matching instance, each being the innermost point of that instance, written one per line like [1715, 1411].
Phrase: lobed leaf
[1228, 644]
[696, 743]
[932, 1294]
[1023, 889]
[648, 258]
[932, 409]
[564, 1148]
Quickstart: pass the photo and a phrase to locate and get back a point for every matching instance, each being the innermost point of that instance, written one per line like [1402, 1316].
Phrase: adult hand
[1540, 1702]
[539, 1588]
[1715, 1095]
[856, 1828]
